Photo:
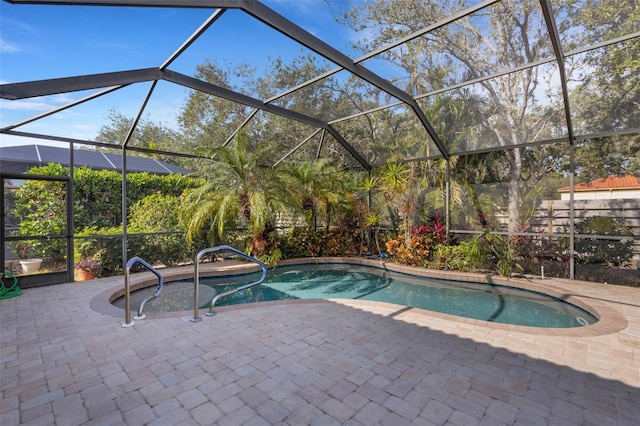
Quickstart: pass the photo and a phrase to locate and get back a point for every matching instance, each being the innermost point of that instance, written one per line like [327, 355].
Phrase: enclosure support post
[70, 215]
[572, 213]
[447, 200]
[124, 207]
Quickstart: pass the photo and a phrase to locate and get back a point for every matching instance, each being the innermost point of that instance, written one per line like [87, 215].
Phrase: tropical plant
[374, 215]
[303, 242]
[238, 190]
[467, 255]
[373, 221]
[420, 248]
[314, 186]
[400, 185]
[505, 253]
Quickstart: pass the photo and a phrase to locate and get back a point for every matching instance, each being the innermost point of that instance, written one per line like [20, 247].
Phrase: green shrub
[40, 208]
[466, 256]
[596, 250]
[98, 193]
[159, 213]
[98, 202]
[304, 242]
[505, 254]
[106, 250]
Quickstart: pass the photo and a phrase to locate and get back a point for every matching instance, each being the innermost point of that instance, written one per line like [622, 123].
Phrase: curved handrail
[127, 290]
[196, 279]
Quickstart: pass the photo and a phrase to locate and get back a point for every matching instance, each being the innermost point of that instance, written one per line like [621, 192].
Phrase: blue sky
[41, 42]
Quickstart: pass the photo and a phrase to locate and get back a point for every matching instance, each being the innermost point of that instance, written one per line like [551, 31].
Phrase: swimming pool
[487, 302]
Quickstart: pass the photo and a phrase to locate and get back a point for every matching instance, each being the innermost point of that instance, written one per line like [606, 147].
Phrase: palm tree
[238, 190]
[400, 185]
[314, 186]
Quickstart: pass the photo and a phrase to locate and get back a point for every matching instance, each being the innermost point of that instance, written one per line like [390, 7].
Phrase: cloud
[21, 25]
[63, 98]
[18, 110]
[8, 47]
[17, 30]
[26, 105]
[36, 104]
[82, 131]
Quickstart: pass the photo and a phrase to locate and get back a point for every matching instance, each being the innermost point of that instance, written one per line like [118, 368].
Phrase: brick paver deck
[312, 363]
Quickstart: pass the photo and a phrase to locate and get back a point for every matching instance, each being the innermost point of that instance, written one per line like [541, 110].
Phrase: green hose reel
[9, 291]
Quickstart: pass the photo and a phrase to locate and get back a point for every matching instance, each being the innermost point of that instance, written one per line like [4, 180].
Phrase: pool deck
[66, 360]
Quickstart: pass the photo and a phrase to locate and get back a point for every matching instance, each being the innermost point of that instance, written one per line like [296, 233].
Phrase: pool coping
[610, 319]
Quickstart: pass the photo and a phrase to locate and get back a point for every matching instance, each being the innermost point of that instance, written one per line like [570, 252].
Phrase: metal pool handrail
[196, 279]
[127, 290]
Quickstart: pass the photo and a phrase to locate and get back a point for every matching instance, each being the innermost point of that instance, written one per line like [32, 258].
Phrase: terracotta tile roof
[614, 182]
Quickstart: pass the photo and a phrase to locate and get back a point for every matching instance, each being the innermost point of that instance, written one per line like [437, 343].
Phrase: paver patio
[312, 363]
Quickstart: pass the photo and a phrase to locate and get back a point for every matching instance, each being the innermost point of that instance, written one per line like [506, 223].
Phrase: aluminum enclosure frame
[114, 81]
[257, 10]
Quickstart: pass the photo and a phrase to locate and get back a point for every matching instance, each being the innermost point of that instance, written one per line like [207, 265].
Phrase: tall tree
[503, 36]
[607, 98]
[148, 134]
[208, 121]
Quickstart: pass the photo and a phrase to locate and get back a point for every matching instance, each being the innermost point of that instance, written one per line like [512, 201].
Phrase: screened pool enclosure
[514, 119]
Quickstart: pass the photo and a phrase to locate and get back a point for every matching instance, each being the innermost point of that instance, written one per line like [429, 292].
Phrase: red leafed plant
[418, 249]
[88, 264]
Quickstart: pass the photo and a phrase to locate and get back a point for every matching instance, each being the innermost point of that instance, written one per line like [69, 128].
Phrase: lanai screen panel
[336, 96]
[501, 37]
[393, 22]
[209, 121]
[307, 149]
[341, 158]
[75, 119]
[311, 15]
[584, 23]
[159, 127]
[389, 133]
[607, 99]
[279, 134]
[17, 113]
[510, 110]
[261, 64]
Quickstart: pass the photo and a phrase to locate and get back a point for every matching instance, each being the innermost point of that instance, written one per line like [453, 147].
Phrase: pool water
[485, 302]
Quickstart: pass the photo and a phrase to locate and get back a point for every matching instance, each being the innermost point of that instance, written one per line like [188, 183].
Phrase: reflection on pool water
[495, 303]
